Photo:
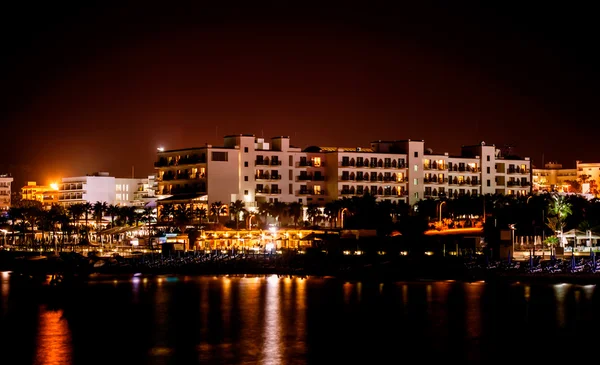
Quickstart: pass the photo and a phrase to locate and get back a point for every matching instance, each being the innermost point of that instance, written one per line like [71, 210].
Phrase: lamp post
[440, 208]
[512, 235]
[250, 221]
[342, 216]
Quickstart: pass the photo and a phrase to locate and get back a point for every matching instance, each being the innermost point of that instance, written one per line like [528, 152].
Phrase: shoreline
[348, 268]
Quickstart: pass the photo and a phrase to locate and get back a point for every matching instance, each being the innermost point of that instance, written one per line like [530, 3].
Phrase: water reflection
[560, 294]
[273, 320]
[271, 351]
[53, 346]
[4, 276]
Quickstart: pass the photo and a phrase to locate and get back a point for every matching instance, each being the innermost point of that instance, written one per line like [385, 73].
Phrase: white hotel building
[98, 187]
[5, 191]
[253, 170]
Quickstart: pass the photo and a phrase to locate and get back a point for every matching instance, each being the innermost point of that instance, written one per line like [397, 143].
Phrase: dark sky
[98, 88]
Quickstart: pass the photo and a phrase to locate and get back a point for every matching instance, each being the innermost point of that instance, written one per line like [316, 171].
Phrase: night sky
[99, 88]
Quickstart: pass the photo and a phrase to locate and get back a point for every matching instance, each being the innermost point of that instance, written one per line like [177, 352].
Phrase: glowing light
[54, 186]
[160, 149]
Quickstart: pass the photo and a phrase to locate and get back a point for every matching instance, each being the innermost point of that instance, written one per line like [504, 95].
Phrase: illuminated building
[5, 191]
[252, 170]
[553, 178]
[583, 179]
[98, 187]
[46, 194]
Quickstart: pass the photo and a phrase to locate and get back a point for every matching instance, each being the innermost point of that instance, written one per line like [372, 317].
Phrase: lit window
[416, 168]
[416, 182]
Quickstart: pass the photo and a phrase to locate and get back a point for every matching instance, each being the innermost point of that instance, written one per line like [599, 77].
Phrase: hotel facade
[101, 187]
[5, 191]
[253, 170]
[553, 177]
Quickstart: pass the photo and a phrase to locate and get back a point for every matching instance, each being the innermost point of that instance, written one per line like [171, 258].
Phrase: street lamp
[512, 235]
[250, 221]
[440, 207]
[342, 216]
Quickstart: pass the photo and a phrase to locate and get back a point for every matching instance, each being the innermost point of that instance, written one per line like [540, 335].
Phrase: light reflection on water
[53, 346]
[289, 320]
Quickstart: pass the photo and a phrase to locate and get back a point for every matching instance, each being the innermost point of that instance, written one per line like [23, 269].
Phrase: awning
[183, 198]
[117, 230]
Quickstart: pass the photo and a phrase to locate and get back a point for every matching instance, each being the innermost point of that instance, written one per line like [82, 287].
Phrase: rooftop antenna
[262, 133]
[133, 172]
[217, 132]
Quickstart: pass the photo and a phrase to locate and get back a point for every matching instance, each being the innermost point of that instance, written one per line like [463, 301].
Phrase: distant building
[553, 178]
[98, 187]
[583, 179]
[252, 170]
[145, 195]
[46, 194]
[5, 191]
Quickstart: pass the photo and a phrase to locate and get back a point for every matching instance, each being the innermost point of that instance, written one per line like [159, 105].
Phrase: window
[245, 178]
[245, 163]
[416, 195]
[488, 169]
[245, 192]
[219, 156]
[488, 157]
[416, 168]
[488, 182]
[416, 154]
[416, 182]
[246, 149]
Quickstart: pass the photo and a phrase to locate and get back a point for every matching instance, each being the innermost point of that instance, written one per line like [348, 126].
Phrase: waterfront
[292, 320]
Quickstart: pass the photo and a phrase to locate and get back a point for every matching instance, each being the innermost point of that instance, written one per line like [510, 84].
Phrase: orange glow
[54, 338]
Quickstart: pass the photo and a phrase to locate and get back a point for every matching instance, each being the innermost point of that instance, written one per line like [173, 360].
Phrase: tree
[76, 211]
[217, 209]
[278, 209]
[235, 209]
[558, 211]
[295, 211]
[314, 213]
[99, 209]
[15, 214]
[87, 209]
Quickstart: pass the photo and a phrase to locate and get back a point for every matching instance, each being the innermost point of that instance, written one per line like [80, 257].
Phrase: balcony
[193, 160]
[517, 170]
[267, 162]
[309, 192]
[309, 164]
[267, 191]
[267, 177]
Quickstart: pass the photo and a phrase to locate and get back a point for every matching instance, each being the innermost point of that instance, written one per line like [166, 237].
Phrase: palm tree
[15, 214]
[558, 211]
[184, 215]
[31, 214]
[55, 215]
[215, 210]
[235, 208]
[88, 208]
[99, 209]
[278, 209]
[314, 213]
[295, 211]
[76, 211]
[200, 214]
[264, 209]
